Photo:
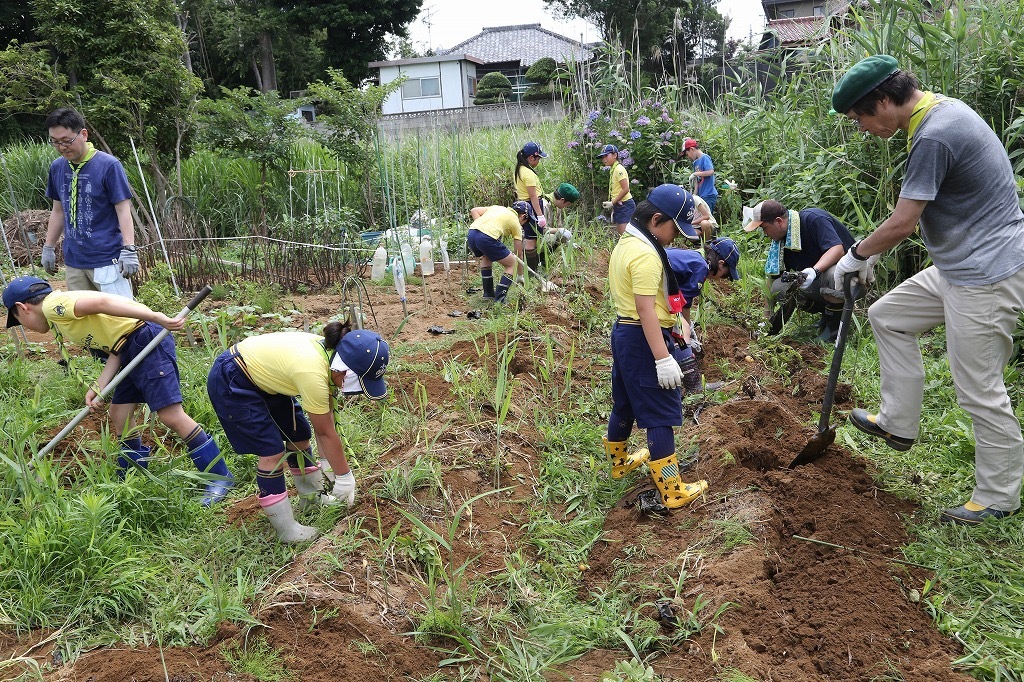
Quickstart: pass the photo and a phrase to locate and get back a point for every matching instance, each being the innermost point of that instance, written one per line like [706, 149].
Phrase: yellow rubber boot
[674, 492]
[622, 461]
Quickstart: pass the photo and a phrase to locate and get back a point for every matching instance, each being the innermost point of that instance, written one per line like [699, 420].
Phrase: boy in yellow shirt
[122, 327]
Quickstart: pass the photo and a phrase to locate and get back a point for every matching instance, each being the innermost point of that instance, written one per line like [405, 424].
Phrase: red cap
[689, 143]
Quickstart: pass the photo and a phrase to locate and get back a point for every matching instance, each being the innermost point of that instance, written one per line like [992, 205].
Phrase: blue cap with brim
[729, 253]
[20, 290]
[367, 354]
[677, 203]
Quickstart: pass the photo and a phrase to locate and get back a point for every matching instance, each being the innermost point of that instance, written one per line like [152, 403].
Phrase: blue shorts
[255, 422]
[711, 201]
[623, 213]
[531, 231]
[636, 395]
[155, 380]
[485, 245]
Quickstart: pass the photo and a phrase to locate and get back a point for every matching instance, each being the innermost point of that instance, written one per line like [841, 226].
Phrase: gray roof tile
[525, 43]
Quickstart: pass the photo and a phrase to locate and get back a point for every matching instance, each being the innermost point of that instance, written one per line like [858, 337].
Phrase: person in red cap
[646, 378]
[703, 172]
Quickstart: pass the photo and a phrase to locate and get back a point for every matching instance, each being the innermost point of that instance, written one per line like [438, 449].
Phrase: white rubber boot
[279, 511]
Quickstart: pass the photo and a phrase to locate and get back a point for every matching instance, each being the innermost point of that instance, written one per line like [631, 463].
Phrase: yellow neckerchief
[90, 151]
[925, 105]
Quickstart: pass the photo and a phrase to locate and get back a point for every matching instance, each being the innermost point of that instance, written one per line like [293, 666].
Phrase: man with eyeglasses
[808, 243]
[959, 187]
[91, 209]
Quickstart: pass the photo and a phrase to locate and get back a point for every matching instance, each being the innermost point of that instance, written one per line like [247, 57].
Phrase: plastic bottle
[426, 257]
[444, 255]
[407, 260]
[380, 264]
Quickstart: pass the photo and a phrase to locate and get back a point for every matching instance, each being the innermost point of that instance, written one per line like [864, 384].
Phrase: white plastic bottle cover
[426, 257]
[407, 259]
[380, 264]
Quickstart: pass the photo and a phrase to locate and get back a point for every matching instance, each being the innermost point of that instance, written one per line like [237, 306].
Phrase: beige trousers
[979, 325]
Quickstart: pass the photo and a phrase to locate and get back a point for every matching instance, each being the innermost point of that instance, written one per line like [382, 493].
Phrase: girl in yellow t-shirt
[529, 189]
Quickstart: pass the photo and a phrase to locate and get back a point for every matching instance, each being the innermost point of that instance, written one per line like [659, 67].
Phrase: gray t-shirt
[972, 225]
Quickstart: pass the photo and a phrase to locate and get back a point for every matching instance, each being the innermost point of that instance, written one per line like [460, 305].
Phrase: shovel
[826, 435]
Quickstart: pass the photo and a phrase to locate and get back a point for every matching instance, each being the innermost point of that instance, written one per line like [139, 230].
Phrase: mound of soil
[786, 603]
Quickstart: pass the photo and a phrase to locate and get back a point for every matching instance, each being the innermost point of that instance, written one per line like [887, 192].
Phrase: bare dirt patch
[790, 609]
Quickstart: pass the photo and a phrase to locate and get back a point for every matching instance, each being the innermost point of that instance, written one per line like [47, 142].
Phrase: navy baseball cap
[525, 208]
[531, 148]
[677, 204]
[367, 354]
[20, 290]
[729, 253]
[608, 149]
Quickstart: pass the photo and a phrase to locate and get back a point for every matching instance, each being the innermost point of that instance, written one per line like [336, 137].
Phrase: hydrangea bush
[650, 141]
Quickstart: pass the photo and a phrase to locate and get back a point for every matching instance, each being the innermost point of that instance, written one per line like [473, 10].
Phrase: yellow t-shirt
[99, 331]
[615, 178]
[499, 222]
[290, 363]
[635, 268]
[527, 177]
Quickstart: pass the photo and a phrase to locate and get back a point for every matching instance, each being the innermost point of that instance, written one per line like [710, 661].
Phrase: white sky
[452, 21]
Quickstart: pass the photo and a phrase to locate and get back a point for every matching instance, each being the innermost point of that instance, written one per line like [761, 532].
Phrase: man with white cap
[809, 242]
[959, 187]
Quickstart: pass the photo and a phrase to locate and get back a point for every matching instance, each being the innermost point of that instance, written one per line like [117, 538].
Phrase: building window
[819, 10]
[787, 13]
[421, 87]
[471, 82]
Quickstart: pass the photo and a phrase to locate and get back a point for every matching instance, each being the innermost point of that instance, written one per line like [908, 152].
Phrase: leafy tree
[350, 115]
[664, 35]
[357, 31]
[117, 61]
[251, 125]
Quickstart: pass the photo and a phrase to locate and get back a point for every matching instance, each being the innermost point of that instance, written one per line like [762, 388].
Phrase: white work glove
[695, 343]
[870, 277]
[345, 488]
[542, 222]
[606, 205]
[809, 277]
[694, 178]
[128, 263]
[669, 374]
[850, 263]
[49, 261]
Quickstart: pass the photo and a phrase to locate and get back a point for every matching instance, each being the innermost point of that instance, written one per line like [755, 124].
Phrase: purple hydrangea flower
[635, 135]
[591, 134]
[573, 144]
[642, 121]
[593, 116]
[665, 117]
[615, 133]
[603, 218]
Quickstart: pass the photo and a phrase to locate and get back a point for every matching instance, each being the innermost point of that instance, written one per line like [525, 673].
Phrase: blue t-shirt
[706, 187]
[819, 232]
[691, 269]
[95, 240]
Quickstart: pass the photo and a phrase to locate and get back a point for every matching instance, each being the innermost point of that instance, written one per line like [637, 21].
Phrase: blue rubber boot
[207, 459]
[132, 456]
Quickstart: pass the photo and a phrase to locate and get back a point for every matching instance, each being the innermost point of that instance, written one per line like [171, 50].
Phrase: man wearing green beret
[959, 187]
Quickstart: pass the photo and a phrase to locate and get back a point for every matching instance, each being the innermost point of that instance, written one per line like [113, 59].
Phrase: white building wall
[434, 85]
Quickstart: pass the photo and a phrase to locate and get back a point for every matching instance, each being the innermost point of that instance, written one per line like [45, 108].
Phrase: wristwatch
[129, 247]
[853, 252]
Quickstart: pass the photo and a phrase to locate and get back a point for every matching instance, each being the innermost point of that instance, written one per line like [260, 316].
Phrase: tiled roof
[799, 30]
[525, 43]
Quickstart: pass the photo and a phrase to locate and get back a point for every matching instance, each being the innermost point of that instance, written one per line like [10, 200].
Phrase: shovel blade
[815, 447]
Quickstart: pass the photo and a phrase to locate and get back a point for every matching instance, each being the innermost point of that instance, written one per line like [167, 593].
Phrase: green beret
[862, 78]
[568, 192]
